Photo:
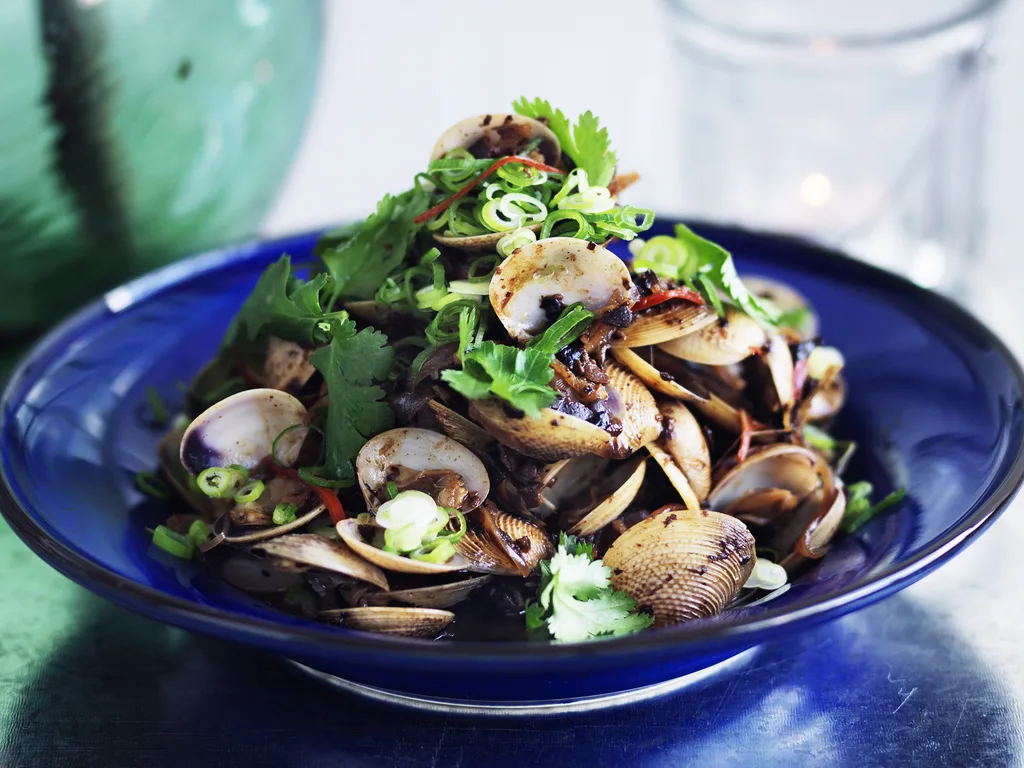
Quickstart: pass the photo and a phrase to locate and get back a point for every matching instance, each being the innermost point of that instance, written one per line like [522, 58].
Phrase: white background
[397, 72]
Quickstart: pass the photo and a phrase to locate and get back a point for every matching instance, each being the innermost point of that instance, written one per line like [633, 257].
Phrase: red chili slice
[327, 496]
[444, 204]
[661, 297]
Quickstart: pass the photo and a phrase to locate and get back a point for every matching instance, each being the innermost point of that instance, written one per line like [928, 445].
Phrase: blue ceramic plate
[935, 405]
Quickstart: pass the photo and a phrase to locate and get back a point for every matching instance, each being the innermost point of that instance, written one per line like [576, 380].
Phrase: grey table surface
[932, 676]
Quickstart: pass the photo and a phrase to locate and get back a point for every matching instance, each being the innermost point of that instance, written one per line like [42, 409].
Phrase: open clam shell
[726, 343]
[479, 242]
[434, 596]
[278, 490]
[241, 429]
[674, 473]
[387, 456]
[682, 564]
[553, 435]
[624, 482]
[318, 552]
[392, 620]
[576, 270]
[461, 429]
[286, 365]
[349, 531]
[648, 365]
[683, 439]
[497, 135]
[770, 483]
[169, 458]
[504, 544]
[223, 531]
[663, 323]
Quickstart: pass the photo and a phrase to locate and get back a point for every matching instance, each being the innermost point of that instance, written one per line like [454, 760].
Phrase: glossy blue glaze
[935, 404]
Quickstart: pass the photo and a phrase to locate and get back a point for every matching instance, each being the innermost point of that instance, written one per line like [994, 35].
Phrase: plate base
[530, 708]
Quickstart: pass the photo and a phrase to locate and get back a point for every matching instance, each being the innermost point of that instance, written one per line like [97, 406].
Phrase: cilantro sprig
[360, 263]
[285, 306]
[586, 142]
[520, 377]
[576, 600]
[351, 365]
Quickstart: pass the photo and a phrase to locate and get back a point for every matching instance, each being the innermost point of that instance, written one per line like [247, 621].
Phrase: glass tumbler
[858, 124]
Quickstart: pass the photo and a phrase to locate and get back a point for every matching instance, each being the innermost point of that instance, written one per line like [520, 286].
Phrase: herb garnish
[587, 143]
[576, 600]
[859, 508]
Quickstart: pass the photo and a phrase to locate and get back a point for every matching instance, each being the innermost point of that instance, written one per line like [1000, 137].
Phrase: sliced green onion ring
[152, 484]
[250, 492]
[284, 513]
[173, 543]
[515, 239]
[219, 482]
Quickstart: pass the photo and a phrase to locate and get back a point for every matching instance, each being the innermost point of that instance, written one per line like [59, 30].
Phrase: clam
[589, 492]
[223, 535]
[780, 366]
[168, 455]
[682, 564]
[286, 365]
[411, 457]
[660, 373]
[316, 551]
[664, 322]
[503, 544]
[825, 399]
[495, 136]
[434, 596]
[573, 269]
[278, 490]
[351, 533]
[675, 475]
[723, 343]
[461, 429]
[683, 440]
[787, 300]
[391, 620]
[554, 435]
[241, 429]
[790, 490]
[498, 135]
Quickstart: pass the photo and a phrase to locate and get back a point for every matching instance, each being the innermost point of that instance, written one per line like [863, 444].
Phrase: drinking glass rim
[858, 42]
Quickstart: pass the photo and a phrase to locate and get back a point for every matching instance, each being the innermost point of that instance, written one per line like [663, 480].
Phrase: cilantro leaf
[859, 508]
[715, 264]
[356, 412]
[587, 143]
[576, 601]
[285, 306]
[520, 377]
[360, 263]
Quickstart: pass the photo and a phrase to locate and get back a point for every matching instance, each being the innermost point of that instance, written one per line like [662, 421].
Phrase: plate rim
[669, 641]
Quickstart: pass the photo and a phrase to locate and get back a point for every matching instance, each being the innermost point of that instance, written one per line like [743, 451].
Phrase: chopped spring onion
[564, 331]
[284, 513]
[481, 270]
[411, 521]
[438, 551]
[822, 360]
[467, 288]
[173, 543]
[157, 407]
[517, 238]
[664, 255]
[220, 482]
[249, 492]
[445, 325]
[314, 476]
[239, 468]
[392, 490]
[587, 198]
[150, 484]
[282, 433]
[460, 531]
[198, 532]
[766, 575]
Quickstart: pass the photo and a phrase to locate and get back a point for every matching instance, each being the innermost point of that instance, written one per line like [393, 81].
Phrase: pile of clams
[673, 445]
